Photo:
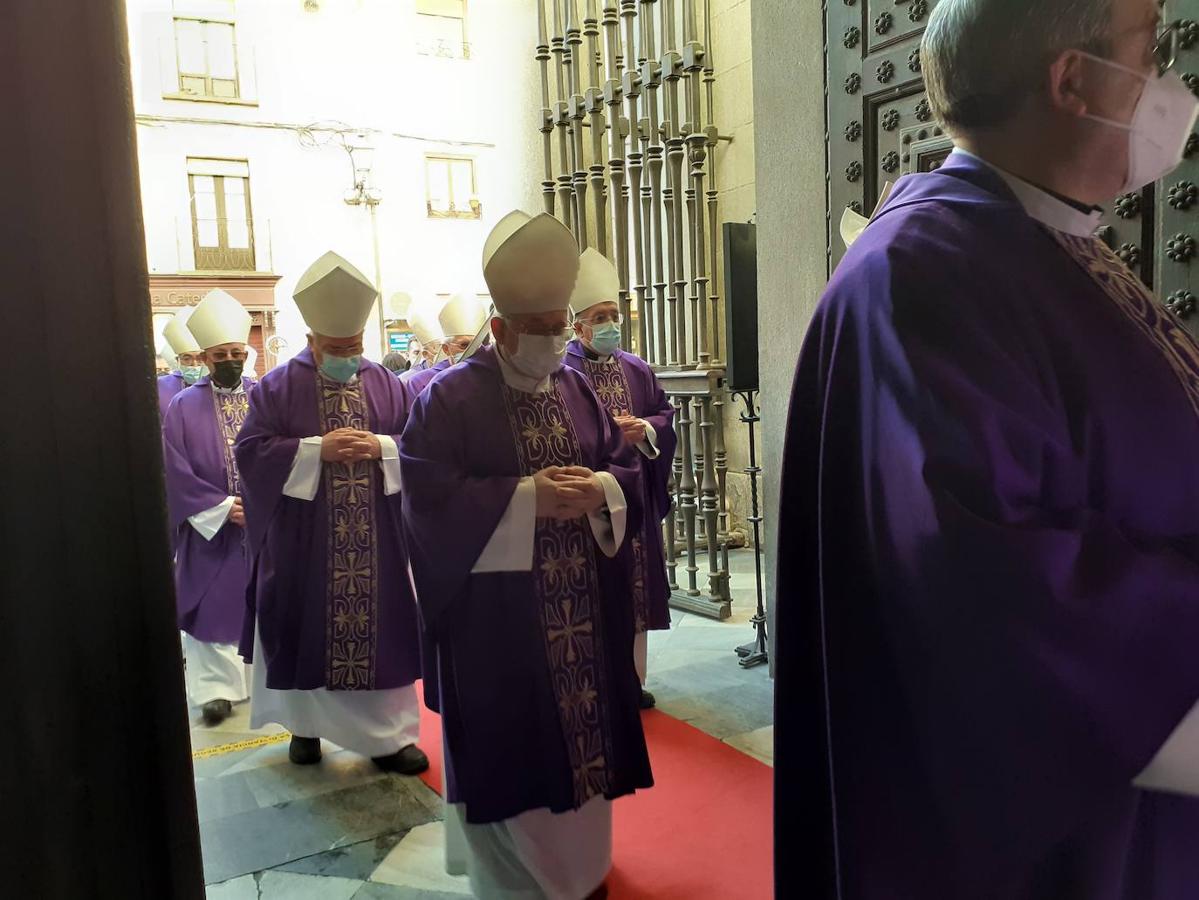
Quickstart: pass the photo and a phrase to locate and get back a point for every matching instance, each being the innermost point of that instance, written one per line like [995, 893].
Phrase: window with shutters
[441, 28]
[222, 227]
[450, 188]
[206, 50]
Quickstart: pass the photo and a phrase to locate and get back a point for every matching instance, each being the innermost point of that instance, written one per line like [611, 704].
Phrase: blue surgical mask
[605, 338]
[192, 374]
[340, 368]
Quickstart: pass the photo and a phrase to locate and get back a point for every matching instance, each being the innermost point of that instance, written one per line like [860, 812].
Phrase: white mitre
[334, 298]
[598, 282]
[465, 313]
[530, 264]
[219, 319]
[853, 224]
[423, 319]
[176, 334]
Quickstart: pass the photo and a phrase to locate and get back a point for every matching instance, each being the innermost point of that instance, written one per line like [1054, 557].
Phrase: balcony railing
[444, 49]
[221, 245]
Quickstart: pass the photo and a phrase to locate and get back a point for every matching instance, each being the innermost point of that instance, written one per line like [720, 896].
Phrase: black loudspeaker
[741, 305]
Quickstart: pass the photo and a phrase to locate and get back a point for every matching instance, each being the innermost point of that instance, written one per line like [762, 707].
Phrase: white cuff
[390, 463]
[210, 522]
[608, 525]
[649, 446]
[511, 546]
[1175, 769]
[305, 478]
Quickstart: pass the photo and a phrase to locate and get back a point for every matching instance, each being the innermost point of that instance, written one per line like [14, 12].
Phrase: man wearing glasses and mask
[205, 505]
[517, 502]
[629, 390]
[460, 320]
[989, 521]
[189, 366]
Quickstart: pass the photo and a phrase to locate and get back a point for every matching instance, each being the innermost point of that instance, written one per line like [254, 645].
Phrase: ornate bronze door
[880, 127]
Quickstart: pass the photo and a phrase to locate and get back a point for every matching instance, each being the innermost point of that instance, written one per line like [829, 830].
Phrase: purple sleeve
[449, 514]
[657, 471]
[265, 453]
[187, 493]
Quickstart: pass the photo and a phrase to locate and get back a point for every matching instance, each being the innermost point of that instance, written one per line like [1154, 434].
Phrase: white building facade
[259, 120]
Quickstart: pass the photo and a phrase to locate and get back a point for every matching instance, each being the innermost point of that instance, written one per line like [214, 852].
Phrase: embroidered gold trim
[231, 411]
[352, 613]
[567, 587]
[1136, 302]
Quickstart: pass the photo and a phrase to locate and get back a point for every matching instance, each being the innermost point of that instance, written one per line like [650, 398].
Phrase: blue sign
[398, 341]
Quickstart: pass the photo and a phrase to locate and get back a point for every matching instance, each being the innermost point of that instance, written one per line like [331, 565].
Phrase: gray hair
[982, 59]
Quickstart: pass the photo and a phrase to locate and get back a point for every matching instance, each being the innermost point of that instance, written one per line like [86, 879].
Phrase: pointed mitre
[465, 313]
[853, 224]
[177, 335]
[219, 319]
[334, 298]
[530, 264]
[422, 319]
[598, 282]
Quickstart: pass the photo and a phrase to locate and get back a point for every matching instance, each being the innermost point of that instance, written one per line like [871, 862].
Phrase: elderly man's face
[1136, 25]
[507, 331]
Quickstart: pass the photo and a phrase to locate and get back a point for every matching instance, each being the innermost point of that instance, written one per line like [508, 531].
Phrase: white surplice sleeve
[649, 447]
[305, 478]
[1175, 769]
[511, 546]
[210, 522]
[389, 462]
[608, 525]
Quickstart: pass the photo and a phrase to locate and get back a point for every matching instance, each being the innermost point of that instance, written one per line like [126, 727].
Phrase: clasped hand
[632, 428]
[567, 492]
[348, 445]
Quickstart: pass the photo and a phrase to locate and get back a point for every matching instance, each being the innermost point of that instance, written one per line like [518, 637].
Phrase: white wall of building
[351, 64]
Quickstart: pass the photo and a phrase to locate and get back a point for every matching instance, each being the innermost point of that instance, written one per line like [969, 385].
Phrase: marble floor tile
[357, 861]
[273, 835]
[243, 888]
[418, 861]
[283, 782]
[277, 885]
[758, 743]
[377, 891]
[217, 798]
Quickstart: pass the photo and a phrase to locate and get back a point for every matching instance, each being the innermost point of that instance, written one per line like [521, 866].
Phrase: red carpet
[703, 832]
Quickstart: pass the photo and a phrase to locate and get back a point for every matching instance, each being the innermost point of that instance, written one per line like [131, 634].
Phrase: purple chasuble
[988, 583]
[198, 432]
[532, 670]
[329, 587]
[627, 386]
[420, 380]
[168, 386]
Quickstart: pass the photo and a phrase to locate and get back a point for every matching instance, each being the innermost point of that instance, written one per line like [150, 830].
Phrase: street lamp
[362, 156]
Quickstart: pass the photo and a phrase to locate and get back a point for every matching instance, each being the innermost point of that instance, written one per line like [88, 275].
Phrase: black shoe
[216, 711]
[647, 700]
[411, 760]
[304, 751]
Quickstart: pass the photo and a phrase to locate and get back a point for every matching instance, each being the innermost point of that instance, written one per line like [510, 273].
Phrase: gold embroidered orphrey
[566, 583]
[231, 410]
[352, 610]
[1138, 304]
[611, 385]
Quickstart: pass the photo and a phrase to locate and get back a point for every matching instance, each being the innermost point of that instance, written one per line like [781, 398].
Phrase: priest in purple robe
[332, 627]
[630, 391]
[422, 317]
[189, 367]
[519, 497]
[204, 498]
[988, 567]
[460, 321]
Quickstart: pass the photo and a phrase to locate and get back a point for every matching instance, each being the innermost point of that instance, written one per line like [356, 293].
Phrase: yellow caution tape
[252, 743]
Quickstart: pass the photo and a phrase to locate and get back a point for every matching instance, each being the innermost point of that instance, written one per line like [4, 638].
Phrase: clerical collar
[239, 388]
[595, 357]
[514, 379]
[1047, 208]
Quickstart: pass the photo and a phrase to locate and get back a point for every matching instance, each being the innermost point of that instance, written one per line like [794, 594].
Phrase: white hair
[982, 59]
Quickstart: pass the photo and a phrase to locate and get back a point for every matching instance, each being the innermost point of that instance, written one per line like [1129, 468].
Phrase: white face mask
[538, 355]
[1161, 123]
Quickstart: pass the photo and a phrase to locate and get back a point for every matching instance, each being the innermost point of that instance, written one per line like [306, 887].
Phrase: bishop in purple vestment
[519, 497]
[629, 390]
[460, 319]
[333, 625]
[204, 497]
[187, 355]
[988, 582]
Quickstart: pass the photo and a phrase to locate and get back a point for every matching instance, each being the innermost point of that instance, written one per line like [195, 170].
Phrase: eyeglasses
[1165, 48]
[223, 355]
[603, 319]
[557, 331]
